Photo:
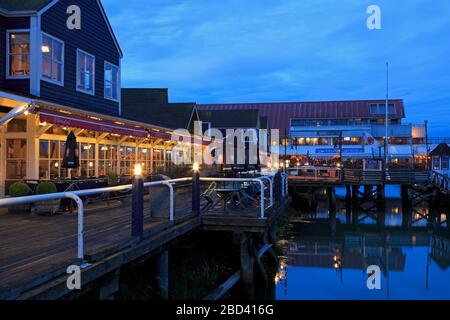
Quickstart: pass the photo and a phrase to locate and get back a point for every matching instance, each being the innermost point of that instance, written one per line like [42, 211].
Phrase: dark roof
[279, 114]
[151, 106]
[231, 118]
[23, 5]
[441, 150]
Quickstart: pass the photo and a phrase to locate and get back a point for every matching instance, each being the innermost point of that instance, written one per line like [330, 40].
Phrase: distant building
[440, 158]
[54, 81]
[356, 129]
[248, 120]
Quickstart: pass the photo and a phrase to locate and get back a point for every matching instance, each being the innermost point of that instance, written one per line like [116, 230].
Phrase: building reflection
[312, 244]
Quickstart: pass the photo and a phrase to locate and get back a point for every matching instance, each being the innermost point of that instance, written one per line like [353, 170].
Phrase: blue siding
[17, 85]
[94, 38]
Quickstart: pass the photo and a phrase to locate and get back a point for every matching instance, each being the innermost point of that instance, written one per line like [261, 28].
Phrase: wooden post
[247, 275]
[355, 196]
[162, 271]
[355, 211]
[96, 159]
[32, 148]
[109, 286]
[137, 208]
[348, 203]
[196, 192]
[278, 186]
[381, 198]
[331, 194]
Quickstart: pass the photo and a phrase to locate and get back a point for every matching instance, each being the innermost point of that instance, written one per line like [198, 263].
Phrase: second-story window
[111, 81]
[52, 59]
[85, 72]
[18, 54]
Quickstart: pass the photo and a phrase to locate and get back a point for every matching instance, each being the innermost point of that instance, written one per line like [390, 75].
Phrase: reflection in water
[413, 255]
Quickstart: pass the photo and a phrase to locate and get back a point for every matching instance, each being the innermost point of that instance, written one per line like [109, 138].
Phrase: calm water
[414, 261]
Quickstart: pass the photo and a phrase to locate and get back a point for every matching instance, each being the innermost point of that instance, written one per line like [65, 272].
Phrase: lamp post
[137, 205]
[196, 188]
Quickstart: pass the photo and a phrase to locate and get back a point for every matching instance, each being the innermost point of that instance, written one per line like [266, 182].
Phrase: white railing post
[80, 230]
[270, 188]
[171, 201]
[169, 184]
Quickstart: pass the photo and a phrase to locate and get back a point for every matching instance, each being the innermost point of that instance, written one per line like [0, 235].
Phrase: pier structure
[103, 238]
[365, 191]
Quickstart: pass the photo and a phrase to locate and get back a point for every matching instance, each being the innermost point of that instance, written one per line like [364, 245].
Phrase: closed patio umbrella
[71, 153]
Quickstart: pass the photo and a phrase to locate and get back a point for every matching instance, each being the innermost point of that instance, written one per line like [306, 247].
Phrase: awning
[159, 135]
[90, 124]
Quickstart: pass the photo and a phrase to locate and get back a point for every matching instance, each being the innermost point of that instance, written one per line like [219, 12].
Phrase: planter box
[47, 207]
[21, 208]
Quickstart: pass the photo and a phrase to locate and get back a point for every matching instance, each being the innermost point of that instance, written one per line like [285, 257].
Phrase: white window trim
[93, 80]
[60, 83]
[8, 32]
[118, 82]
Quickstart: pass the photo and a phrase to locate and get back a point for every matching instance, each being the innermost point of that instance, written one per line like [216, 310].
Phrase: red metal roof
[279, 114]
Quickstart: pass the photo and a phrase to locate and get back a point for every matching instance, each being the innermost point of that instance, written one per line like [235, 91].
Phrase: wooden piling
[355, 196]
[381, 198]
[162, 271]
[247, 275]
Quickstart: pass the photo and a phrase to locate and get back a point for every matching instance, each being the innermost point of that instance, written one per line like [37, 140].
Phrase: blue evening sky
[225, 51]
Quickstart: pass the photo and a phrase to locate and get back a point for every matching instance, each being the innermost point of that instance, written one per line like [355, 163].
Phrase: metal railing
[169, 184]
[390, 176]
[76, 196]
[258, 180]
[316, 173]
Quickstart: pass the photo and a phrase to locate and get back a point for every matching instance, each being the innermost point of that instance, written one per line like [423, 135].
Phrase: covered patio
[33, 134]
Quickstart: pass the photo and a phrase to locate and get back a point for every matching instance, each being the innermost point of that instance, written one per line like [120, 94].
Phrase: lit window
[111, 81]
[52, 59]
[444, 163]
[85, 72]
[18, 54]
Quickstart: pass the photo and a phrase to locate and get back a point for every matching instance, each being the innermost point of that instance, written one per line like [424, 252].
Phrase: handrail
[259, 180]
[76, 196]
[168, 183]
[271, 188]
[56, 196]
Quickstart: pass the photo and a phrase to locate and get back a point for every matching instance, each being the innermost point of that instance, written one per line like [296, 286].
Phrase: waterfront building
[354, 129]
[440, 159]
[55, 80]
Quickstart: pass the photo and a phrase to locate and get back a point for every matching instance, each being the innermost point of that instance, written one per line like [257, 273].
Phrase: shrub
[46, 187]
[19, 189]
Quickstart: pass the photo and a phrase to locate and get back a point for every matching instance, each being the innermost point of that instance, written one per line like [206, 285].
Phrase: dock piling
[137, 208]
[162, 270]
[247, 275]
[196, 192]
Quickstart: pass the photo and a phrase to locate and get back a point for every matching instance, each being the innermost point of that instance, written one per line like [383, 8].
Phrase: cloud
[269, 50]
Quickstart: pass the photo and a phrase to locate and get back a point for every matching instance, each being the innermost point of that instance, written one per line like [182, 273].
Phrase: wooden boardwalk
[35, 250]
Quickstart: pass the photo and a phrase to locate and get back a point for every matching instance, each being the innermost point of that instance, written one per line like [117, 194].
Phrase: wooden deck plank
[31, 246]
